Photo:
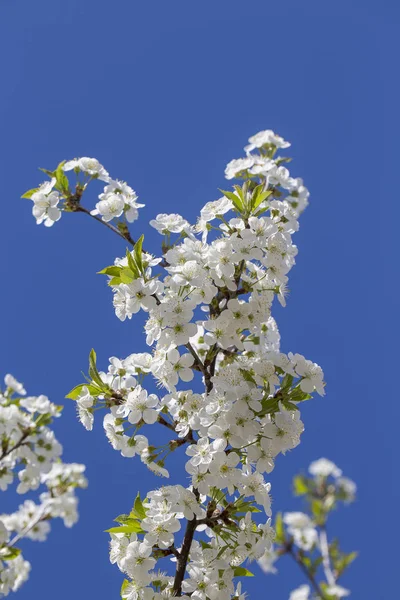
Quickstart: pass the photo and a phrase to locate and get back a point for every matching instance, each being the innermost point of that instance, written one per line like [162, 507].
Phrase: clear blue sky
[164, 94]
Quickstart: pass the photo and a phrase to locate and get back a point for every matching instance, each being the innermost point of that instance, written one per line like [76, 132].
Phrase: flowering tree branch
[184, 557]
[41, 515]
[208, 299]
[30, 453]
[326, 561]
[303, 535]
[309, 575]
[124, 235]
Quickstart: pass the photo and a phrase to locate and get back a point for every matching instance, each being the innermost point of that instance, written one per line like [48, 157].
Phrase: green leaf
[29, 193]
[269, 406]
[297, 395]
[9, 553]
[138, 509]
[287, 382]
[112, 270]
[318, 512]
[93, 360]
[288, 405]
[138, 249]
[127, 276]
[324, 587]
[316, 563]
[242, 572]
[126, 519]
[76, 391]
[61, 178]
[350, 557]
[124, 585]
[115, 281]
[133, 527]
[49, 173]
[341, 562]
[131, 262]
[259, 197]
[93, 372]
[121, 519]
[283, 159]
[300, 485]
[279, 529]
[241, 191]
[253, 509]
[43, 420]
[247, 376]
[237, 202]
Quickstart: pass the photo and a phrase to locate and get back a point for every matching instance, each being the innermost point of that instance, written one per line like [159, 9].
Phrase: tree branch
[323, 542]
[126, 237]
[165, 422]
[183, 557]
[38, 518]
[17, 445]
[196, 358]
[310, 576]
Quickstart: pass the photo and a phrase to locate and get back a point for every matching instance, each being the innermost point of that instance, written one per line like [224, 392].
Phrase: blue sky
[164, 94]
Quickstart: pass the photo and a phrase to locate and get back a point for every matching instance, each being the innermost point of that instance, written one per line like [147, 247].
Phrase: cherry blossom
[207, 301]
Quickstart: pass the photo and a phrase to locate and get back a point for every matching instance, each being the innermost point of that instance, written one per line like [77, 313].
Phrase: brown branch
[165, 423]
[116, 398]
[127, 237]
[289, 550]
[196, 358]
[183, 557]
[161, 553]
[17, 445]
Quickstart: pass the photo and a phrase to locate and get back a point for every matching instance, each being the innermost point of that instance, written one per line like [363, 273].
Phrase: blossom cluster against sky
[165, 95]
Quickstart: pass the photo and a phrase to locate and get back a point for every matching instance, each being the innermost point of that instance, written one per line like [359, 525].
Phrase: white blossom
[207, 305]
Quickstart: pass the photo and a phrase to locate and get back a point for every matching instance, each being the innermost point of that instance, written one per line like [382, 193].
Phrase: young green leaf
[279, 529]
[77, 390]
[133, 527]
[29, 193]
[138, 509]
[237, 202]
[62, 182]
[242, 572]
[9, 553]
[93, 372]
[124, 585]
[112, 270]
[138, 249]
[49, 173]
[300, 485]
[127, 276]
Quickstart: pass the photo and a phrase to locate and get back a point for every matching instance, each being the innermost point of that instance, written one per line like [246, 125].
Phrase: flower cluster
[117, 199]
[152, 526]
[303, 535]
[208, 302]
[30, 453]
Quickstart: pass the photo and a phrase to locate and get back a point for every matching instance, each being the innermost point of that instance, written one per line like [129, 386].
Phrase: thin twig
[38, 518]
[310, 576]
[17, 445]
[165, 423]
[326, 562]
[196, 358]
[127, 237]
